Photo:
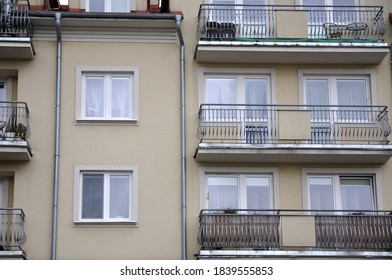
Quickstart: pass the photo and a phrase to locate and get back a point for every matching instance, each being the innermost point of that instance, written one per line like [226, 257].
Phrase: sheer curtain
[223, 192]
[356, 194]
[258, 193]
[94, 96]
[121, 88]
[119, 196]
[352, 92]
[317, 93]
[256, 94]
[321, 193]
[96, 5]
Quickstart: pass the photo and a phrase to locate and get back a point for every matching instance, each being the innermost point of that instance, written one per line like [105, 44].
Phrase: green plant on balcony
[20, 131]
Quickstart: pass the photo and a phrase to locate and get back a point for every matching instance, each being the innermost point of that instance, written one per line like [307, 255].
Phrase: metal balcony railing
[12, 232]
[14, 19]
[14, 121]
[259, 124]
[262, 229]
[229, 22]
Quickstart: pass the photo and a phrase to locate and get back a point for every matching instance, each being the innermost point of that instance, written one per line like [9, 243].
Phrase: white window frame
[239, 172]
[107, 71]
[239, 73]
[336, 174]
[131, 5]
[130, 170]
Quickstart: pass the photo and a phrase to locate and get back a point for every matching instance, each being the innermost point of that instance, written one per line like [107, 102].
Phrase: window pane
[97, 5]
[317, 92]
[221, 91]
[258, 193]
[119, 196]
[119, 5]
[121, 90]
[356, 194]
[352, 92]
[94, 96]
[223, 192]
[256, 91]
[321, 193]
[92, 196]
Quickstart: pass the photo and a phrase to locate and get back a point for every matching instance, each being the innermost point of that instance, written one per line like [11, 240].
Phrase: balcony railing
[263, 124]
[14, 19]
[14, 121]
[12, 232]
[229, 22]
[273, 229]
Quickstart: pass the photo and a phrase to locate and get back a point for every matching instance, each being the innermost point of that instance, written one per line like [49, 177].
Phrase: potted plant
[10, 127]
[20, 131]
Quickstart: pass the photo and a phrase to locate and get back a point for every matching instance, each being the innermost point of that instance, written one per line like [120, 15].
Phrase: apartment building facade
[203, 129]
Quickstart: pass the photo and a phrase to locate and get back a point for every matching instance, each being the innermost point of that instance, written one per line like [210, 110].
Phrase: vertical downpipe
[183, 135]
[57, 138]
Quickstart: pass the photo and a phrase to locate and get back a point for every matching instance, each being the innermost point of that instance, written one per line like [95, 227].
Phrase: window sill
[107, 122]
[113, 224]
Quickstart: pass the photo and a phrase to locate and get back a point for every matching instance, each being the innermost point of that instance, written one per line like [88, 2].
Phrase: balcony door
[5, 96]
[239, 191]
[336, 100]
[4, 192]
[239, 103]
[246, 18]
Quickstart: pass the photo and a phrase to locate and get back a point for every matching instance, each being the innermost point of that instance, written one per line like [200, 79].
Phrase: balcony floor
[282, 254]
[293, 153]
[15, 150]
[16, 48]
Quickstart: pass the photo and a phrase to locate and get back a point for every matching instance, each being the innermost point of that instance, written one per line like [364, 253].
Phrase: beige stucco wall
[153, 145]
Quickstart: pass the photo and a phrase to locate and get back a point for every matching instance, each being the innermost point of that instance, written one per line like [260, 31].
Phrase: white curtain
[321, 193]
[352, 92]
[221, 91]
[119, 196]
[223, 192]
[94, 96]
[317, 93]
[92, 196]
[121, 88]
[258, 193]
[356, 194]
[256, 94]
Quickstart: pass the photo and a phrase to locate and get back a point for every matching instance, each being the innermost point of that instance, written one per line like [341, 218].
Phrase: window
[105, 194]
[348, 189]
[343, 91]
[340, 192]
[116, 6]
[107, 94]
[238, 190]
[240, 100]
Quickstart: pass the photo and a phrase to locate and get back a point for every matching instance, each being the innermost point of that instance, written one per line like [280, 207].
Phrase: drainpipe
[57, 138]
[183, 144]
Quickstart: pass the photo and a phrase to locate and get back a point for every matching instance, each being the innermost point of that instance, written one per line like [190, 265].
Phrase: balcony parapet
[307, 124]
[297, 230]
[14, 19]
[261, 22]
[12, 232]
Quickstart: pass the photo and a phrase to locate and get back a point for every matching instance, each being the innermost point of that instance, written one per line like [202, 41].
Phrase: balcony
[15, 31]
[295, 233]
[293, 133]
[14, 131]
[12, 234]
[266, 34]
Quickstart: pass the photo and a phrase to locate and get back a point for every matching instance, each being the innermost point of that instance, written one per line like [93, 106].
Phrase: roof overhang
[291, 52]
[293, 153]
